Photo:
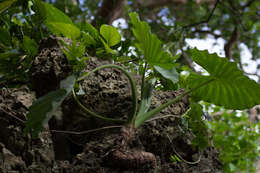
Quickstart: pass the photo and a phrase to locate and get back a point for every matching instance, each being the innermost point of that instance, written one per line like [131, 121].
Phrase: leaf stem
[131, 118]
[139, 121]
[93, 113]
[143, 78]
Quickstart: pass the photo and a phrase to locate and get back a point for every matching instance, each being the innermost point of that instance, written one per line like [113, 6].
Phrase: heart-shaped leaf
[228, 86]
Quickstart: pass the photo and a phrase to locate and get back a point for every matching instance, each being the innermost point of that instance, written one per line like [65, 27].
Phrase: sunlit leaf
[56, 21]
[66, 29]
[110, 34]
[55, 15]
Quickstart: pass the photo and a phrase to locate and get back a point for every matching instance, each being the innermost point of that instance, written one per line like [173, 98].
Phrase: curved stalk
[139, 121]
[93, 113]
[132, 117]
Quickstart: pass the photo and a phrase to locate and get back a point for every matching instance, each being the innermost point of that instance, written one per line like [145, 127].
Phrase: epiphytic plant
[225, 85]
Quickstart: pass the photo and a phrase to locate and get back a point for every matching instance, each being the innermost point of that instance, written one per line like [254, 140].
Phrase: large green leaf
[110, 34]
[151, 47]
[5, 5]
[43, 109]
[228, 86]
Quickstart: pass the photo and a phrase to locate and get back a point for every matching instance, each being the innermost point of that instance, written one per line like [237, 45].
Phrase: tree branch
[228, 46]
[109, 11]
[204, 21]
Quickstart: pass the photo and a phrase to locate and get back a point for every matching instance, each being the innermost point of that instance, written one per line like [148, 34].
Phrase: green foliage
[5, 5]
[110, 34]
[228, 86]
[146, 97]
[66, 29]
[197, 125]
[44, 108]
[237, 139]
[56, 21]
[30, 46]
[8, 63]
[87, 39]
[75, 55]
[151, 48]
[91, 30]
[53, 14]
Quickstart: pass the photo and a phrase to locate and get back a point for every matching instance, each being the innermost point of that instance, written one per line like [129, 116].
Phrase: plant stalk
[143, 80]
[151, 113]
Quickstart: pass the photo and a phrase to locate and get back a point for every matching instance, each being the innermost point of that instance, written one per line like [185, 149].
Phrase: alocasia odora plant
[225, 85]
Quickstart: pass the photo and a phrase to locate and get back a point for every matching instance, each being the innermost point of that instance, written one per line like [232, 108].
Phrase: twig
[236, 13]
[18, 119]
[228, 46]
[203, 21]
[207, 32]
[84, 132]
